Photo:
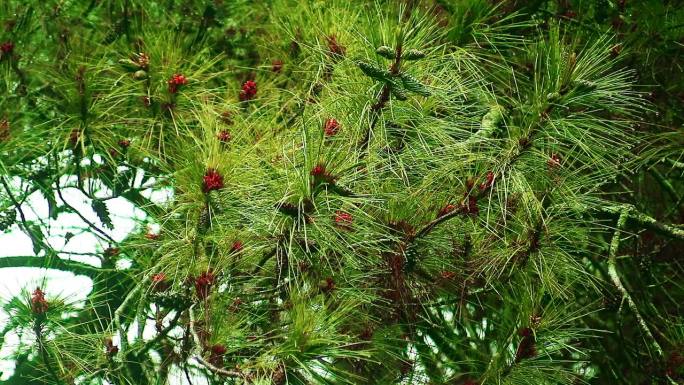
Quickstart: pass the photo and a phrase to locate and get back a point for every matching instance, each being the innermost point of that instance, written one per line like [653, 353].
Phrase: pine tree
[345, 192]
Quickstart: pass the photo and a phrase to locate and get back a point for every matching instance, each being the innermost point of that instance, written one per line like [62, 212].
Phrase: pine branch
[100, 233]
[641, 219]
[51, 262]
[162, 334]
[665, 184]
[118, 325]
[38, 241]
[45, 356]
[383, 98]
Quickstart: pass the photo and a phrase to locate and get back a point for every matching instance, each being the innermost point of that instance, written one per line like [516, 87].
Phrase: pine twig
[101, 233]
[383, 98]
[38, 330]
[172, 324]
[77, 268]
[635, 216]
[615, 277]
[24, 222]
[205, 363]
[123, 336]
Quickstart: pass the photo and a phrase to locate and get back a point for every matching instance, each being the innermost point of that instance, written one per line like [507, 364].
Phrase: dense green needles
[344, 192]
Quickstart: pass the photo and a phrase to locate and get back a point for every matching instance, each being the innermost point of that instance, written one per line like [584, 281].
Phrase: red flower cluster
[336, 49]
[320, 174]
[331, 127]
[277, 66]
[142, 60]
[318, 170]
[176, 81]
[554, 161]
[74, 137]
[235, 305]
[227, 117]
[110, 348]
[4, 129]
[217, 353]
[470, 206]
[212, 180]
[343, 220]
[203, 284]
[159, 282]
[447, 274]
[446, 210]
[237, 246]
[7, 48]
[527, 347]
[327, 285]
[249, 90]
[152, 236]
[39, 304]
[224, 136]
[124, 143]
[489, 181]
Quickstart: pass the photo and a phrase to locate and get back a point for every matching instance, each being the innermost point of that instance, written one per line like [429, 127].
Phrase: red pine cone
[212, 180]
[217, 353]
[527, 347]
[447, 274]
[203, 284]
[470, 206]
[237, 246]
[331, 127]
[4, 129]
[176, 81]
[39, 305]
[320, 174]
[152, 236]
[159, 282]
[489, 181]
[335, 48]
[110, 349]
[343, 220]
[224, 136]
[554, 161]
[277, 66]
[7, 47]
[446, 210]
[327, 285]
[318, 170]
[249, 90]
